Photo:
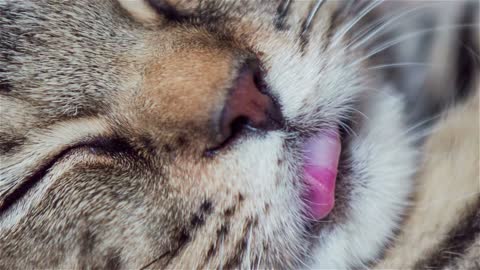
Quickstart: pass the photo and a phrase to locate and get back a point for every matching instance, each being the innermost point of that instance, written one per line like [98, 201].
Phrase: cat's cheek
[256, 167]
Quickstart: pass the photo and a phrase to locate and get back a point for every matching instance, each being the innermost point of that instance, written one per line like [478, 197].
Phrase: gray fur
[106, 118]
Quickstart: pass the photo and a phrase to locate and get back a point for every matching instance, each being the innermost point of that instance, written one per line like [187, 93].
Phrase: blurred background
[432, 51]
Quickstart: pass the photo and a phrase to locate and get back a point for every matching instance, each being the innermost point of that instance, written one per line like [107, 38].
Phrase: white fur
[382, 151]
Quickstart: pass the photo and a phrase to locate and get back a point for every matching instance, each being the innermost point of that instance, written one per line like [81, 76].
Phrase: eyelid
[110, 144]
[168, 11]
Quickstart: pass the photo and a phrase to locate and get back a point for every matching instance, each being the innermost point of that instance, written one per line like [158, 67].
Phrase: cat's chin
[372, 188]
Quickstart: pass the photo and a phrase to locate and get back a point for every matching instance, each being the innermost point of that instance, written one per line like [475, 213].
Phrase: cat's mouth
[320, 168]
[327, 171]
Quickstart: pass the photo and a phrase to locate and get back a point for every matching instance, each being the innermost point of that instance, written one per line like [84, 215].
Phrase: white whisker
[247, 250]
[405, 37]
[340, 34]
[259, 258]
[394, 65]
[361, 113]
[312, 14]
[385, 25]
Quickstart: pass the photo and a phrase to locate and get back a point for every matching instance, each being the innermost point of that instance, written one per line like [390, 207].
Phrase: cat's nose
[249, 106]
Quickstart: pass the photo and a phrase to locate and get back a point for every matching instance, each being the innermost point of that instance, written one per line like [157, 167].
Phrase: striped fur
[108, 110]
[442, 230]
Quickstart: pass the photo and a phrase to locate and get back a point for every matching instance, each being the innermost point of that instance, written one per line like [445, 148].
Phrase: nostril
[237, 126]
[249, 106]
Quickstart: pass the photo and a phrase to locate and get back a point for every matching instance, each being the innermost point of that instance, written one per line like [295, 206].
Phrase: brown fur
[119, 110]
[109, 110]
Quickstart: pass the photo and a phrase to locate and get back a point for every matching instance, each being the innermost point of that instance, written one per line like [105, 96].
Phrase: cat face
[176, 134]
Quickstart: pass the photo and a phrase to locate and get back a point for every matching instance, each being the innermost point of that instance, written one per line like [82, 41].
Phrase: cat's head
[194, 134]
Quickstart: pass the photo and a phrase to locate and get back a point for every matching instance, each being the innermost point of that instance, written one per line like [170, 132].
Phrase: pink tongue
[322, 153]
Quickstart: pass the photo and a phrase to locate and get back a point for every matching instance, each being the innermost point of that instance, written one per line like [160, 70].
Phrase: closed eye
[168, 11]
[97, 146]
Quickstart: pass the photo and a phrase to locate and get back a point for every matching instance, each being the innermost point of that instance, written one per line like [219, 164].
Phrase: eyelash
[113, 145]
[168, 11]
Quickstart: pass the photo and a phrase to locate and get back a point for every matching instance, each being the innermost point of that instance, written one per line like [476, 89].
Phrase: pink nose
[248, 106]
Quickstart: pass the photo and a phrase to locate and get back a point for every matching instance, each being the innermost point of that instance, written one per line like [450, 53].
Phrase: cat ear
[140, 10]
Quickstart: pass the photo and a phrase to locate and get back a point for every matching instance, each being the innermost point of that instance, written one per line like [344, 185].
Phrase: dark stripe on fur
[334, 23]
[183, 239]
[185, 235]
[305, 31]
[282, 13]
[113, 260]
[468, 61]
[458, 241]
[9, 144]
[4, 84]
[164, 255]
[223, 231]
[114, 146]
[236, 259]
[214, 248]
[12, 196]
[198, 219]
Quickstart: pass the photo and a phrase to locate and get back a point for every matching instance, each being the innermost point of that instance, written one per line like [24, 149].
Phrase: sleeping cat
[197, 134]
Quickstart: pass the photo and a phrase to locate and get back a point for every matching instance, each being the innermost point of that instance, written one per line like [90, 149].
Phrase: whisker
[259, 258]
[400, 64]
[347, 128]
[384, 25]
[361, 113]
[424, 122]
[363, 31]
[308, 22]
[410, 138]
[306, 25]
[249, 241]
[295, 256]
[472, 51]
[405, 37]
[339, 35]
[417, 128]
[282, 12]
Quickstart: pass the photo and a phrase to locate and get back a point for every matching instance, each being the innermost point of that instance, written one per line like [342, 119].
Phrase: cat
[198, 134]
